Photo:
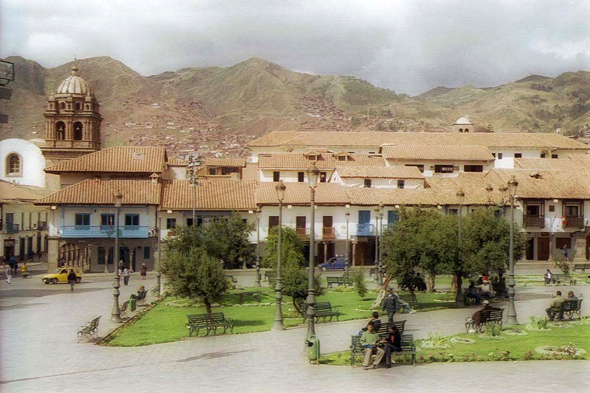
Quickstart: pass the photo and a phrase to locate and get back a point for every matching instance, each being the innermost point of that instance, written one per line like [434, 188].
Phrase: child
[25, 270]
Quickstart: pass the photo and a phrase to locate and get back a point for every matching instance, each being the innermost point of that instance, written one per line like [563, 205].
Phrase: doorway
[543, 251]
[530, 248]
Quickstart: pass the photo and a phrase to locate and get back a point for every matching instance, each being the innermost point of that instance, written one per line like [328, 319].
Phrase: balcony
[104, 232]
[534, 221]
[574, 222]
[41, 226]
[328, 233]
[303, 233]
[11, 228]
[388, 227]
[365, 230]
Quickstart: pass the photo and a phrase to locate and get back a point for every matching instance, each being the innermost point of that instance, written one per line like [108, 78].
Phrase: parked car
[61, 275]
[335, 263]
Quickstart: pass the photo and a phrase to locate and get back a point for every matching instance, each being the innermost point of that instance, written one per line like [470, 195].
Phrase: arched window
[78, 106]
[14, 165]
[467, 130]
[460, 130]
[62, 105]
[78, 131]
[60, 130]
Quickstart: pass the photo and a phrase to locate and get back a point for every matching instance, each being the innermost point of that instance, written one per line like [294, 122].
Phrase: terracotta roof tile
[211, 195]
[11, 193]
[101, 192]
[434, 152]
[177, 162]
[385, 172]
[136, 159]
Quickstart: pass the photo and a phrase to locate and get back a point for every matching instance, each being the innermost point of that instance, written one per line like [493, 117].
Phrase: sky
[406, 46]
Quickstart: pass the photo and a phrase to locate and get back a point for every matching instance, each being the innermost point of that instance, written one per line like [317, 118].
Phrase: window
[533, 210]
[146, 252]
[560, 242]
[454, 212]
[323, 177]
[401, 183]
[572, 210]
[551, 208]
[171, 223]
[444, 168]
[300, 177]
[420, 167]
[276, 176]
[499, 156]
[107, 221]
[517, 155]
[543, 155]
[131, 220]
[78, 106]
[60, 130]
[62, 105]
[13, 165]
[554, 155]
[494, 154]
[82, 220]
[212, 171]
[189, 222]
[473, 168]
[273, 221]
[101, 256]
[342, 158]
[367, 183]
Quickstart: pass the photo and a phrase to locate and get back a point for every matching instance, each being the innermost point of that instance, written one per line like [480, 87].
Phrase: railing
[365, 230]
[388, 227]
[328, 233]
[11, 228]
[574, 222]
[302, 232]
[103, 231]
[534, 221]
[41, 226]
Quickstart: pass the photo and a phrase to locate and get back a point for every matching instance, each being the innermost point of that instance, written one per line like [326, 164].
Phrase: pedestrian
[72, 279]
[11, 262]
[391, 305]
[143, 271]
[25, 271]
[565, 253]
[126, 276]
[8, 274]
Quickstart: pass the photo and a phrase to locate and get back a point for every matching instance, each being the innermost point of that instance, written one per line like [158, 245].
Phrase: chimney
[155, 178]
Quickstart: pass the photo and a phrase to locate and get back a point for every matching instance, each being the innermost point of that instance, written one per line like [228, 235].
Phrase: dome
[463, 121]
[73, 84]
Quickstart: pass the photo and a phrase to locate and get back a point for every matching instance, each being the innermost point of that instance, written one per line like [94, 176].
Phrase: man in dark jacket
[391, 305]
[72, 279]
[393, 343]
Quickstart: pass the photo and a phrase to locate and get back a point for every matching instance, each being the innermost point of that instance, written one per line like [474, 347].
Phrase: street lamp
[459, 298]
[347, 216]
[116, 312]
[193, 164]
[257, 214]
[278, 323]
[511, 316]
[313, 174]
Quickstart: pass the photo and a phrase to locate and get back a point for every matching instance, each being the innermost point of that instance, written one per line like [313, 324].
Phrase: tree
[359, 282]
[194, 274]
[295, 280]
[228, 240]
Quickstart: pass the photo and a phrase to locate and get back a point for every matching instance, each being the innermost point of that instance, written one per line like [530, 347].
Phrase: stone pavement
[38, 352]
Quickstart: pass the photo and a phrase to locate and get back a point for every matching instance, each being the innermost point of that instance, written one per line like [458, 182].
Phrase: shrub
[537, 324]
[359, 282]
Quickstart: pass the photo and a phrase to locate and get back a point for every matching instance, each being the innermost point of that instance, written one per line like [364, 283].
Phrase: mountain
[219, 109]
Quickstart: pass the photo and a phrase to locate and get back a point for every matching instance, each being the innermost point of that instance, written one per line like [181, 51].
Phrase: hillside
[219, 109]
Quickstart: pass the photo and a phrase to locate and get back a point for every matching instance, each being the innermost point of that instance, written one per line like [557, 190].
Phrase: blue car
[335, 263]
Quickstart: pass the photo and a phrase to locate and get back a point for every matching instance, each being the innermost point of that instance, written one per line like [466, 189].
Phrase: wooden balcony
[302, 233]
[574, 222]
[534, 221]
[328, 233]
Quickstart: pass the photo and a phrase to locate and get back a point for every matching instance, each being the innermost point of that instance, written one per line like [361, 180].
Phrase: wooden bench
[570, 308]
[140, 298]
[89, 330]
[231, 278]
[563, 277]
[407, 344]
[338, 281]
[322, 310]
[581, 266]
[241, 295]
[210, 322]
[488, 317]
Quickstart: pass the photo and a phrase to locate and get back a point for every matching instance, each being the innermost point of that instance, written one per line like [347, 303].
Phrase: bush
[538, 324]
[359, 282]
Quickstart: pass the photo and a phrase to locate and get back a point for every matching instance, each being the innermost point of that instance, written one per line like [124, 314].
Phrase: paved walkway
[38, 352]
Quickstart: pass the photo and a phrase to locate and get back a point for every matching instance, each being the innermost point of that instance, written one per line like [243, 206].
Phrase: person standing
[391, 305]
[143, 271]
[565, 253]
[72, 279]
[126, 276]
[11, 263]
[8, 274]
[25, 271]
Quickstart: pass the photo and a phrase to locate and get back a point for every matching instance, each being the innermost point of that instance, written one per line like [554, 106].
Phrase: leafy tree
[295, 282]
[194, 274]
[359, 282]
[291, 246]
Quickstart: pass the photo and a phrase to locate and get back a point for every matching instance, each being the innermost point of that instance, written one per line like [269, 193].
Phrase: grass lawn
[486, 348]
[166, 323]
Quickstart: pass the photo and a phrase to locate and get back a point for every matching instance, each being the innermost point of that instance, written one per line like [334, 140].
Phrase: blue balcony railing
[11, 228]
[365, 230]
[104, 232]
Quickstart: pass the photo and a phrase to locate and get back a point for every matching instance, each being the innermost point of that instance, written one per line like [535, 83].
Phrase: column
[69, 130]
[52, 253]
[353, 253]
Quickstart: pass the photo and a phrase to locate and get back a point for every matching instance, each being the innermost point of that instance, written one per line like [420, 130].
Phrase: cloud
[407, 46]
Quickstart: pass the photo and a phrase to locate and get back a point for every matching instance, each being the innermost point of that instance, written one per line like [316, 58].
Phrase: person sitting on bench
[141, 292]
[376, 323]
[571, 297]
[548, 277]
[369, 341]
[472, 293]
[393, 343]
[486, 289]
[476, 317]
[554, 306]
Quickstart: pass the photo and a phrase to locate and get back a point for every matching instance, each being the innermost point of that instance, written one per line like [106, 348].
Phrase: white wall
[507, 160]
[487, 165]
[379, 183]
[32, 162]
[288, 176]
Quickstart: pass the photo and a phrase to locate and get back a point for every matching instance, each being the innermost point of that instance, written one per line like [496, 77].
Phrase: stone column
[353, 253]
[52, 253]
[325, 252]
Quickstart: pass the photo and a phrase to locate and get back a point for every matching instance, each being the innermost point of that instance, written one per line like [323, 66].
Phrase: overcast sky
[407, 46]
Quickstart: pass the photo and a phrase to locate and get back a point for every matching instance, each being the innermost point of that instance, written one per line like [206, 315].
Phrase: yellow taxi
[61, 275]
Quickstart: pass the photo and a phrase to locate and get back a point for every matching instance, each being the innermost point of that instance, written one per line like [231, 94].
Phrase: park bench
[407, 344]
[570, 308]
[89, 330]
[123, 309]
[231, 278]
[563, 277]
[210, 322]
[253, 294]
[270, 276]
[140, 298]
[338, 281]
[488, 317]
[322, 310]
[581, 266]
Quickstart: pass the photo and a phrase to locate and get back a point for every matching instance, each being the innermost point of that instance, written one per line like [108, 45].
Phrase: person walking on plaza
[11, 263]
[126, 276]
[555, 306]
[369, 341]
[9, 274]
[391, 305]
[143, 271]
[72, 279]
[565, 253]
[25, 270]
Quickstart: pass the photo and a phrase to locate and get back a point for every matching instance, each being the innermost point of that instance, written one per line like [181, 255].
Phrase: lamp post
[313, 174]
[257, 213]
[193, 164]
[278, 323]
[347, 266]
[116, 312]
[511, 315]
[459, 298]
